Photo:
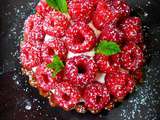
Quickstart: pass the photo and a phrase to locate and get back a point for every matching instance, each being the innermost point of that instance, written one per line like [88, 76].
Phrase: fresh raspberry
[80, 38]
[122, 7]
[80, 70]
[55, 24]
[96, 97]
[30, 54]
[111, 33]
[42, 8]
[33, 28]
[109, 12]
[65, 95]
[80, 10]
[53, 47]
[132, 29]
[44, 78]
[106, 63]
[119, 83]
[132, 57]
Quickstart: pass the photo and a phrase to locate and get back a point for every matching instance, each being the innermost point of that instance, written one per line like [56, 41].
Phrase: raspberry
[80, 38]
[111, 33]
[106, 63]
[55, 24]
[80, 70]
[33, 28]
[80, 10]
[44, 78]
[65, 95]
[132, 57]
[96, 97]
[109, 12]
[122, 7]
[42, 8]
[30, 55]
[119, 83]
[132, 29]
[53, 47]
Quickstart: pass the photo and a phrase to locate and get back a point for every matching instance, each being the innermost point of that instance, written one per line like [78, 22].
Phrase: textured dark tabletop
[19, 101]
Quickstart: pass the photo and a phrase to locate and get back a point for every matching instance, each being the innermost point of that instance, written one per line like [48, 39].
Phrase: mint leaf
[62, 5]
[52, 3]
[107, 48]
[58, 5]
[57, 65]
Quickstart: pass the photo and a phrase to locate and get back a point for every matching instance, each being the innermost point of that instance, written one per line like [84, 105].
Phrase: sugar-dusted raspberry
[55, 24]
[80, 70]
[33, 28]
[42, 8]
[31, 54]
[80, 38]
[44, 78]
[81, 10]
[109, 12]
[96, 97]
[53, 47]
[132, 29]
[122, 7]
[132, 57]
[119, 83]
[111, 33]
[65, 95]
[107, 63]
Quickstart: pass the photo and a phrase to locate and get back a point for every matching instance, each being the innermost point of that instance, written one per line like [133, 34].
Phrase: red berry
[53, 47]
[109, 12]
[132, 29]
[65, 95]
[96, 97]
[42, 8]
[33, 28]
[30, 54]
[107, 63]
[132, 57]
[105, 14]
[80, 38]
[55, 24]
[111, 33]
[80, 70]
[80, 10]
[44, 78]
[122, 7]
[119, 83]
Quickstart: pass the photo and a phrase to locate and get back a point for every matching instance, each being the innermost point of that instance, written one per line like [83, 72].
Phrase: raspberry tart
[83, 54]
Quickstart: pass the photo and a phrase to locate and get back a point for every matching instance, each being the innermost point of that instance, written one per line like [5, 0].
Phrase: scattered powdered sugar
[142, 97]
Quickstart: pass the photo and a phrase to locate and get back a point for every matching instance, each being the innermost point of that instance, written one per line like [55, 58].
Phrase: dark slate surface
[19, 101]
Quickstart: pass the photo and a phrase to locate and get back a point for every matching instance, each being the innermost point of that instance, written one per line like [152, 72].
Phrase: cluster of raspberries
[87, 23]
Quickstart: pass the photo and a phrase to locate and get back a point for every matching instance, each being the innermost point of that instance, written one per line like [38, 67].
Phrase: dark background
[19, 101]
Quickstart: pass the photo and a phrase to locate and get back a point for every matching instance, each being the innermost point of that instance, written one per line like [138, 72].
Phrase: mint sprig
[57, 65]
[60, 5]
[107, 48]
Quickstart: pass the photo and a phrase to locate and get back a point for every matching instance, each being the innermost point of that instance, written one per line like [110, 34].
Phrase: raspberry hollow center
[98, 99]
[81, 68]
[45, 78]
[79, 38]
[66, 97]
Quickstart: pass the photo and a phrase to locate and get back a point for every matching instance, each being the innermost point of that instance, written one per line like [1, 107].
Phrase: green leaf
[52, 3]
[62, 5]
[59, 5]
[57, 65]
[108, 48]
